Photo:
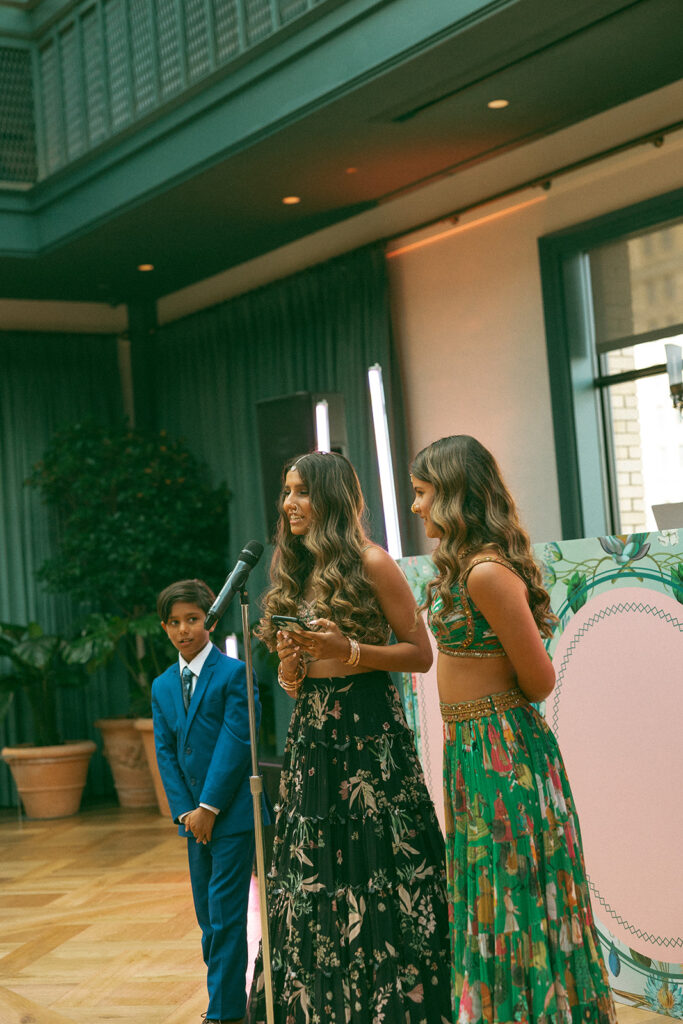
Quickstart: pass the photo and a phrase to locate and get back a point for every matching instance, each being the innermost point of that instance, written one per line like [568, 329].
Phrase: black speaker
[286, 427]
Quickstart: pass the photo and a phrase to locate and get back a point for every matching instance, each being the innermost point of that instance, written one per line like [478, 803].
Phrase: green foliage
[134, 512]
[40, 664]
[640, 958]
[138, 642]
[677, 582]
[577, 591]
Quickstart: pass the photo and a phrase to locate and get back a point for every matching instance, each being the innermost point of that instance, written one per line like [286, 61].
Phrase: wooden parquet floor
[98, 924]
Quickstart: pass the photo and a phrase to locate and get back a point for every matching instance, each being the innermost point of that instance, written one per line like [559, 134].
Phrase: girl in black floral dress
[356, 893]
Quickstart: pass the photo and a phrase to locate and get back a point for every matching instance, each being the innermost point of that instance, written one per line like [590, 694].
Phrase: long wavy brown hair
[472, 508]
[327, 560]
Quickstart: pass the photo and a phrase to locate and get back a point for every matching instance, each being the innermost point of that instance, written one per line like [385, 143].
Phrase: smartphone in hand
[290, 623]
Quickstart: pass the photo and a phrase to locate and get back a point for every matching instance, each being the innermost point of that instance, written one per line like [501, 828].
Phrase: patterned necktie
[187, 686]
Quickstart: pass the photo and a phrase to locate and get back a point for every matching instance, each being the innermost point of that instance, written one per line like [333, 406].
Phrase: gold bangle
[354, 652]
[291, 686]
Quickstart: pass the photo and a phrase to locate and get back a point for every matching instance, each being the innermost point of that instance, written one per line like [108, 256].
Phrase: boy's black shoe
[224, 1020]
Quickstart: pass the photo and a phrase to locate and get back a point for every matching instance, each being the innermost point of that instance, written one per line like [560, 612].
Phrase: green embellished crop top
[466, 633]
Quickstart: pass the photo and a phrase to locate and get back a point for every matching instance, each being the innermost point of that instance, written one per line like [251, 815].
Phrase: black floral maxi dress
[356, 893]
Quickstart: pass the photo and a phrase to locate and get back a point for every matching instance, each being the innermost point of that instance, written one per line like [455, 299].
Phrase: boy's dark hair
[188, 591]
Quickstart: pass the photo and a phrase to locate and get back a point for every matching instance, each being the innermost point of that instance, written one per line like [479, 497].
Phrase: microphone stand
[256, 784]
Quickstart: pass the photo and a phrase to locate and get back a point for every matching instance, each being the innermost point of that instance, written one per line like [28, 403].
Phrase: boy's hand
[200, 823]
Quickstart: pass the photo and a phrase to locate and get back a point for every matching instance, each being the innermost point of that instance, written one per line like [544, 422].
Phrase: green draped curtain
[316, 331]
[47, 380]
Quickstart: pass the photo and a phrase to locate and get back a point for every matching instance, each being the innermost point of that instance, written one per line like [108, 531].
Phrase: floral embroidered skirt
[357, 890]
[524, 942]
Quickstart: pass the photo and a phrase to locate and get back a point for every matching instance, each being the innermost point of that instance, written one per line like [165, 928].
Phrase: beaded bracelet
[354, 652]
[291, 686]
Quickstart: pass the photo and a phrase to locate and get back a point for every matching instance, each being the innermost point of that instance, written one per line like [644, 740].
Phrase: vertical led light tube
[386, 469]
[231, 648]
[322, 426]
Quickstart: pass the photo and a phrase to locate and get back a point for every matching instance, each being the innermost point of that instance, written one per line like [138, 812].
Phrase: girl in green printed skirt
[523, 939]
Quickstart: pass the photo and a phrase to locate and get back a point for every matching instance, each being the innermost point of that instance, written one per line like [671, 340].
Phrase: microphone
[249, 556]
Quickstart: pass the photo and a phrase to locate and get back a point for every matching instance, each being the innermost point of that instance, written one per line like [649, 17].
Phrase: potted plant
[142, 648]
[134, 511]
[50, 774]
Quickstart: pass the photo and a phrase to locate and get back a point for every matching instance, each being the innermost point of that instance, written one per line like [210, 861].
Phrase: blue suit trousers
[220, 873]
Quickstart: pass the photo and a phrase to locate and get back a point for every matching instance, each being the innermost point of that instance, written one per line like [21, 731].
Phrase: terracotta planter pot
[50, 780]
[145, 727]
[125, 753]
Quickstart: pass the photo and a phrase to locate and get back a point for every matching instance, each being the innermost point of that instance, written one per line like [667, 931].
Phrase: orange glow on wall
[457, 228]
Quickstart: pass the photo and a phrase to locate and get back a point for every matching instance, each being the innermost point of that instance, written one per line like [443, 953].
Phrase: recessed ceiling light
[145, 267]
[291, 200]
[498, 104]
[352, 170]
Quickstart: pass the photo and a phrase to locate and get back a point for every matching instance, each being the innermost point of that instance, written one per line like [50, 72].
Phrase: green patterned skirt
[357, 891]
[522, 932]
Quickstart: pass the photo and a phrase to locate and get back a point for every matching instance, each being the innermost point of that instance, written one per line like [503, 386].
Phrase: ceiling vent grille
[17, 135]
[109, 63]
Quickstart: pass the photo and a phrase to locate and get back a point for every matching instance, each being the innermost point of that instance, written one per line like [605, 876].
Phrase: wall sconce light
[674, 368]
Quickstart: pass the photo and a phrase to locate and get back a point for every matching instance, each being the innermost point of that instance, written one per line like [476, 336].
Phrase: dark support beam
[142, 325]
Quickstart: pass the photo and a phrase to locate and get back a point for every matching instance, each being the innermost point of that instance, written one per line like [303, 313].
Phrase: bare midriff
[331, 667]
[464, 678]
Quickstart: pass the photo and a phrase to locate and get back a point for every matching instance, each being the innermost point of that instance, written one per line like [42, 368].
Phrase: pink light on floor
[253, 928]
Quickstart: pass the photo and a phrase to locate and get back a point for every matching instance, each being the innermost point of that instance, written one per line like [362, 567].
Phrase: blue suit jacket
[204, 754]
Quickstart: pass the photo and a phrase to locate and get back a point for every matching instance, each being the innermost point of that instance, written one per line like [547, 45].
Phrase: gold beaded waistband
[465, 652]
[467, 710]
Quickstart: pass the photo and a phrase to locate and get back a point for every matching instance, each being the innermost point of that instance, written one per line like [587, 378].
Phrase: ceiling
[402, 127]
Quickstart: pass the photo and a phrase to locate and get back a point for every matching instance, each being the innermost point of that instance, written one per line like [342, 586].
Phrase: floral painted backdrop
[617, 710]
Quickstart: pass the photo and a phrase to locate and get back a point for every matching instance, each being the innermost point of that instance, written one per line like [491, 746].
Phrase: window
[643, 435]
[610, 290]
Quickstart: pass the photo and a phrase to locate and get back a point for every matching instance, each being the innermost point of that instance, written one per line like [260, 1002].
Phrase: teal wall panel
[154, 91]
[18, 230]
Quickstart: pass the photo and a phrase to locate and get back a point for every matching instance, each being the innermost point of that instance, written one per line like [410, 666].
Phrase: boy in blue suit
[201, 732]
